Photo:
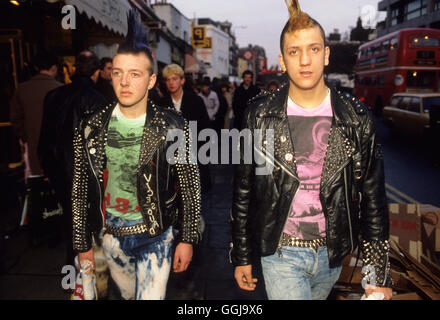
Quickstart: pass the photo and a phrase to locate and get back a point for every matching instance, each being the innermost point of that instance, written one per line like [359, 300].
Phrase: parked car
[409, 113]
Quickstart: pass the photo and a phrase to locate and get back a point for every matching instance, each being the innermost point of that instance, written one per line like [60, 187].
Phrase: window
[395, 16]
[367, 81]
[420, 78]
[425, 41]
[376, 49]
[405, 103]
[393, 44]
[437, 5]
[430, 102]
[414, 105]
[425, 54]
[415, 9]
[395, 101]
[380, 80]
[385, 46]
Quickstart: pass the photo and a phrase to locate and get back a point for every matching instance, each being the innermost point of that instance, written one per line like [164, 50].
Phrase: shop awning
[192, 65]
[112, 14]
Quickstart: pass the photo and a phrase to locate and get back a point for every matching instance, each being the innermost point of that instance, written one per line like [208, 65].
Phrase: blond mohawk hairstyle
[297, 18]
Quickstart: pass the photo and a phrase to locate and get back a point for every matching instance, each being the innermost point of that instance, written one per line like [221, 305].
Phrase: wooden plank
[407, 296]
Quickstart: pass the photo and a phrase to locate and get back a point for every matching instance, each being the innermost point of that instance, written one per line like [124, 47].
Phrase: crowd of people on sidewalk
[48, 108]
[102, 142]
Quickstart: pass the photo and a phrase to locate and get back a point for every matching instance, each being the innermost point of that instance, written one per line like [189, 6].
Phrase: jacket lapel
[154, 134]
[340, 147]
[276, 108]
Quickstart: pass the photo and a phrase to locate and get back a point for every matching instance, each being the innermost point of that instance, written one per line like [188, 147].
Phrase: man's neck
[246, 86]
[310, 98]
[135, 111]
[177, 95]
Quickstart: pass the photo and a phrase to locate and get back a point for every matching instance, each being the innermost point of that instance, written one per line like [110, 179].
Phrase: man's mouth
[306, 74]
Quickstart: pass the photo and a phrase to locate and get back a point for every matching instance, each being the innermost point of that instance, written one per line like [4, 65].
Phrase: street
[410, 174]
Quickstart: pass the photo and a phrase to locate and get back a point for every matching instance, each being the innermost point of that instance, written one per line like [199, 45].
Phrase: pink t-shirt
[310, 130]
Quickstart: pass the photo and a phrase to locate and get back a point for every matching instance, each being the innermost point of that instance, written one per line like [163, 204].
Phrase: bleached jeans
[139, 265]
[299, 274]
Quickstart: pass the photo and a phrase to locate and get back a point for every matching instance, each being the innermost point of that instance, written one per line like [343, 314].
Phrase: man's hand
[182, 257]
[243, 276]
[82, 256]
[387, 292]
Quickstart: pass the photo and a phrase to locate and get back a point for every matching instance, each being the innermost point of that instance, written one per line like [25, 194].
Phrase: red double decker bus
[407, 60]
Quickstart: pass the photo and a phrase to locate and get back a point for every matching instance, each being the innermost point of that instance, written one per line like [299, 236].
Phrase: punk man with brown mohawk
[325, 196]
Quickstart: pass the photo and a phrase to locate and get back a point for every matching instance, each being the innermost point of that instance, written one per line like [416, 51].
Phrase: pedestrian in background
[27, 109]
[242, 95]
[192, 108]
[273, 85]
[225, 91]
[212, 103]
[64, 108]
[104, 82]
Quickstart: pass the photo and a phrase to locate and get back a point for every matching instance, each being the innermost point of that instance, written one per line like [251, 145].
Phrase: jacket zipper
[99, 186]
[386, 272]
[296, 192]
[157, 190]
[348, 209]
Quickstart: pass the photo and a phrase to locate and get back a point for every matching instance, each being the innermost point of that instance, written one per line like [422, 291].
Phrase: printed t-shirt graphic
[122, 150]
[310, 130]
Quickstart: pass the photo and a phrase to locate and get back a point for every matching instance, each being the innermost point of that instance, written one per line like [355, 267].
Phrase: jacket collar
[154, 132]
[276, 106]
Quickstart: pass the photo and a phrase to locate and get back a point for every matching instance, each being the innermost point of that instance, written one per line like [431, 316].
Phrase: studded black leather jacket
[352, 190]
[176, 179]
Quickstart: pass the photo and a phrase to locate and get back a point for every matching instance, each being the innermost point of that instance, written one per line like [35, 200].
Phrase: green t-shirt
[122, 150]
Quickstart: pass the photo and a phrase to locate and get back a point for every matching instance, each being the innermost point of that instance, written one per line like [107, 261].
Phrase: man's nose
[124, 80]
[305, 58]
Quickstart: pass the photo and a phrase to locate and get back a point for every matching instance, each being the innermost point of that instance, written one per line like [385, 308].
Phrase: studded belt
[287, 240]
[126, 231]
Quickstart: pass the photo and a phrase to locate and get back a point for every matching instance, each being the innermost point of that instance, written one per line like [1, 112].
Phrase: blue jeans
[299, 274]
[139, 265]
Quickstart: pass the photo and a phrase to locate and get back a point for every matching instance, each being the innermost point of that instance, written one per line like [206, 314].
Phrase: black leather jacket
[352, 186]
[177, 188]
[64, 107]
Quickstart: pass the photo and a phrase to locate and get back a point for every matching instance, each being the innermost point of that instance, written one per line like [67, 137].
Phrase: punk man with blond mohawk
[325, 196]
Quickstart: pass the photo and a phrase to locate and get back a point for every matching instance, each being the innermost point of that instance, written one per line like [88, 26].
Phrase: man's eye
[292, 52]
[116, 74]
[135, 75]
[316, 49]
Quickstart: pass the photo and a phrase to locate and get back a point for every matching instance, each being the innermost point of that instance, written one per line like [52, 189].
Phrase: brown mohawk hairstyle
[298, 20]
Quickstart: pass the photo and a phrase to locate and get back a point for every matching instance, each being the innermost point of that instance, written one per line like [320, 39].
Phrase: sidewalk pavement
[30, 271]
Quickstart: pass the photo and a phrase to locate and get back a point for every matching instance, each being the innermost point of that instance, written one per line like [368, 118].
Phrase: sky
[259, 22]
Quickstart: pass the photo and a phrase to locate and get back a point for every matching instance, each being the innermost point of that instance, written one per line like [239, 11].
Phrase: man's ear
[152, 81]
[183, 81]
[282, 64]
[95, 76]
[327, 55]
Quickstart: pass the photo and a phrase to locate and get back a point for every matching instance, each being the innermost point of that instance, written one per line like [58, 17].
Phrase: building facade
[408, 14]
[213, 50]
[177, 23]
